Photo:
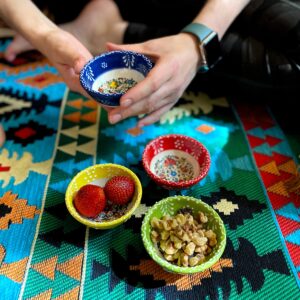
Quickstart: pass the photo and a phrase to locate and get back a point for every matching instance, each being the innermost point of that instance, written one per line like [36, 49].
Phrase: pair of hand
[176, 60]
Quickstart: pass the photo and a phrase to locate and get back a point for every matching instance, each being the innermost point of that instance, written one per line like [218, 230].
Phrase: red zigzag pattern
[275, 170]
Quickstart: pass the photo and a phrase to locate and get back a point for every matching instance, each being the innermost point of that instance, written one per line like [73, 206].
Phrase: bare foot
[2, 136]
[99, 22]
[17, 46]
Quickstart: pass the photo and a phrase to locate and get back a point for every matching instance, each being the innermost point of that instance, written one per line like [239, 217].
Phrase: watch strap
[209, 44]
[203, 33]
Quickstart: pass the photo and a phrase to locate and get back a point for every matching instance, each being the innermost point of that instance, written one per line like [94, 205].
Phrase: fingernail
[126, 102]
[115, 118]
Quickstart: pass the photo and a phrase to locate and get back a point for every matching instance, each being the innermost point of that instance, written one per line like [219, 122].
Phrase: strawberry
[90, 200]
[119, 189]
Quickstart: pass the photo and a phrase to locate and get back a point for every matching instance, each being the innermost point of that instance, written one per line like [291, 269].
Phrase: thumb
[125, 47]
[79, 64]
[139, 48]
[75, 55]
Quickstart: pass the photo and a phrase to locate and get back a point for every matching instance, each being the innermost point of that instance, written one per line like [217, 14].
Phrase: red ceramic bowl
[176, 161]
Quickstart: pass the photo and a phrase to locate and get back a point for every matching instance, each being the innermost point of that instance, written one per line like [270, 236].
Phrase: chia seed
[117, 86]
[111, 212]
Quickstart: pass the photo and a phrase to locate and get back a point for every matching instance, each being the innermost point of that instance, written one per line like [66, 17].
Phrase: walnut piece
[183, 239]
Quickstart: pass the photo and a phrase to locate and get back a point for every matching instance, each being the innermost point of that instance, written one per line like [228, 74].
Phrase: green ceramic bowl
[170, 206]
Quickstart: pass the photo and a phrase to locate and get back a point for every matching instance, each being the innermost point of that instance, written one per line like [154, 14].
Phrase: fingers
[151, 93]
[107, 108]
[79, 64]
[71, 79]
[154, 81]
[164, 96]
[158, 89]
[155, 116]
[77, 60]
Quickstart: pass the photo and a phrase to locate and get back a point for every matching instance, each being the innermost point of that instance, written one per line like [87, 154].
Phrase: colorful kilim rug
[52, 134]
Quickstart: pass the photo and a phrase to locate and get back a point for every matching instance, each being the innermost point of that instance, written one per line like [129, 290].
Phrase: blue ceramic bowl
[110, 66]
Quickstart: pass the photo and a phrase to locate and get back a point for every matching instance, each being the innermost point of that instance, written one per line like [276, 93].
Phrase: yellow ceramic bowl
[99, 175]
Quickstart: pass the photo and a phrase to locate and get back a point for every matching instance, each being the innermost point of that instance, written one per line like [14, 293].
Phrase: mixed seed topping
[117, 86]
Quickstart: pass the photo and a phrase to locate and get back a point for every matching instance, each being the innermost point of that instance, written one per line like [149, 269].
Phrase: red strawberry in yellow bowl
[90, 200]
[103, 196]
[119, 189]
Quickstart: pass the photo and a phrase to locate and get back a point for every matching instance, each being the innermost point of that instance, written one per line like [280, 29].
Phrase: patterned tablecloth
[53, 133]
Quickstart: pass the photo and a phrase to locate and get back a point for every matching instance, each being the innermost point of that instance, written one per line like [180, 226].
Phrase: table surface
[52, 134]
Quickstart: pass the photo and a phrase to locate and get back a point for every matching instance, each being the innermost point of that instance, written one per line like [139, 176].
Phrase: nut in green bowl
[170, 207]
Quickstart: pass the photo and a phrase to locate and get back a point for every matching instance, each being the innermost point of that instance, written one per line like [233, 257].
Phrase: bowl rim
[106, 224]
[104, 54]
[179, 184]
[169, 266]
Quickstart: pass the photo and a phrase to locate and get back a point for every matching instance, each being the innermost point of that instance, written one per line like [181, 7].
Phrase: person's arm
[219, 14]
[177, 60]
[27, 19]
[66, 53]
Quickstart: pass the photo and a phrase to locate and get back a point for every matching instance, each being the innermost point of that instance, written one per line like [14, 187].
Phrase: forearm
[27, 19]
[219, 14]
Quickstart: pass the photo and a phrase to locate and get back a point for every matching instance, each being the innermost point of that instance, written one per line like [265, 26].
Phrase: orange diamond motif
[135, 131]
[42, 80]
[204, 128]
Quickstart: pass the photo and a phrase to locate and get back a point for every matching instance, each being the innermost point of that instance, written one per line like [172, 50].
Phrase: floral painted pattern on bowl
[176, 161]
[175, 166]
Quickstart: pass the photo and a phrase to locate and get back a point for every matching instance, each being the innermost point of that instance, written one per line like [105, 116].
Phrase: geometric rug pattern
[53, 133]
[278, 169]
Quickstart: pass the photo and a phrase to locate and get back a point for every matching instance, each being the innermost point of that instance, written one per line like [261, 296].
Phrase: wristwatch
[209, 45]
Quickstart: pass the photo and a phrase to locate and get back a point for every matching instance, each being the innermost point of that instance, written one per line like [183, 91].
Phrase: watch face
[213, 51]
